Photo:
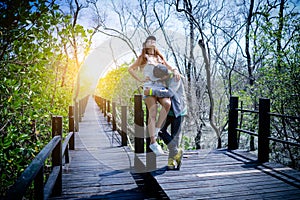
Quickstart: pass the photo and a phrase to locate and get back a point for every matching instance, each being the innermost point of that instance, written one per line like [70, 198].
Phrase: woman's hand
[146, 79]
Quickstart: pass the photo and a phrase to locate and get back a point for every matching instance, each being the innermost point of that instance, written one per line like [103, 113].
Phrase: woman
[149, 58]
[174, 119]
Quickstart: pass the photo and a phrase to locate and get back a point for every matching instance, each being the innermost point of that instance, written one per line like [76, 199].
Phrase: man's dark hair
[160, 71]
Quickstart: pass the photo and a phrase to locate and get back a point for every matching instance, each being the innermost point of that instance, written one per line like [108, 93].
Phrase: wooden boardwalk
[220, 174]
[100, 169]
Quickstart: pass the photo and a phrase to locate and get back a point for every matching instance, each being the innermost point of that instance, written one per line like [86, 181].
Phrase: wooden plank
[225, 175]
[18, 190]
[51, 181]
[105, 172]
[99, 168]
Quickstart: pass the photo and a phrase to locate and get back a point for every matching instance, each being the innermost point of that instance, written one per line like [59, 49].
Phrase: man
[175, 90]
[148, 59]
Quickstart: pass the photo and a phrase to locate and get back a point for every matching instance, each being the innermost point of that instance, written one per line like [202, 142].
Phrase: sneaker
[178, 158]
[171, 165]
[156, 148]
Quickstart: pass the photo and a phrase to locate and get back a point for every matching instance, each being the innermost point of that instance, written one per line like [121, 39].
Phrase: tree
[238, 41]
[32, 71]
[278, 25]
[187, 9]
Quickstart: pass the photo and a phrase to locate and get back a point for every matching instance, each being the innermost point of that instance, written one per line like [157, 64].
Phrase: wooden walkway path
[220, 174]
[100, 169]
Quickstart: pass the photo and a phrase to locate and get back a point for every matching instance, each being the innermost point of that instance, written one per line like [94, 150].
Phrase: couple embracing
[162, 84]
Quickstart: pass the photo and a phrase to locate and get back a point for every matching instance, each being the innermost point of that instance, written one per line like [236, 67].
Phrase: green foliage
[276, 50]
[187, 143]
[118, 85]
[279, 75]
[35, 82]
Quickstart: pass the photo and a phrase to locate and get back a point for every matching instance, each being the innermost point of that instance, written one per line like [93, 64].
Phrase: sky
[105, 49]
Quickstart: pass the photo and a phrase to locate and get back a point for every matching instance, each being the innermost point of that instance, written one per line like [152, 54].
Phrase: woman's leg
[166, 105]
[152, 108]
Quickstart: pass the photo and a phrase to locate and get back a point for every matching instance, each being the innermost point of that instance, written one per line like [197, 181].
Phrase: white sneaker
[156, 148]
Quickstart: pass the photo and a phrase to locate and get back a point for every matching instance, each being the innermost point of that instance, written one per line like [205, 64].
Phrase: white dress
[154, 82]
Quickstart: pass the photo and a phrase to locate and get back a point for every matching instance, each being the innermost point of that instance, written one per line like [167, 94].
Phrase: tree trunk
[209, 90]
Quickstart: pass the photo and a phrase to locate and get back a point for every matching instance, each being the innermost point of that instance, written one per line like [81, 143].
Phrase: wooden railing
[264, 130]
[140, 136]
[58, 148]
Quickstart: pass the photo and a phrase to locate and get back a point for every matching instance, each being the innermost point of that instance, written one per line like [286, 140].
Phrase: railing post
[263, 130]
[108, 111]
[76, 118]
[96, 99]
[86, 99]
[56, 154]
[233, 123]
[114, 113]
[104, 107]
[71, 127]
[101, 104]
[39, 184]
[138, 124]
[80, 110]
[39, 179]
[124, 125]
[150, 156]
[138, 132]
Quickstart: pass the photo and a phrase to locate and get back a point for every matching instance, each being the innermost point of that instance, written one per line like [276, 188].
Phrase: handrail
[66, 146]
[284, 141]
[270, 138]
[246, 110]
[264, 132]
[35, 170]
[66, 143]
[284, 116]
[17, 191]
[248, 132]
[51, 181]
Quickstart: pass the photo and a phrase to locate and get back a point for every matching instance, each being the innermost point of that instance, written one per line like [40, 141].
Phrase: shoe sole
[171, 168]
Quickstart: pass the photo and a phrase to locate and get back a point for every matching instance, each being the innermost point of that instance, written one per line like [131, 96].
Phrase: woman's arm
[174, 70]
[132, 68]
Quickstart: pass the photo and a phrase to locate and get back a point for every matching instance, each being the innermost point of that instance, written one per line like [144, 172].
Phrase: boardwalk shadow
[159, 171]
[131, 194]
[251, 164]
[111, 173]
[275, 170]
